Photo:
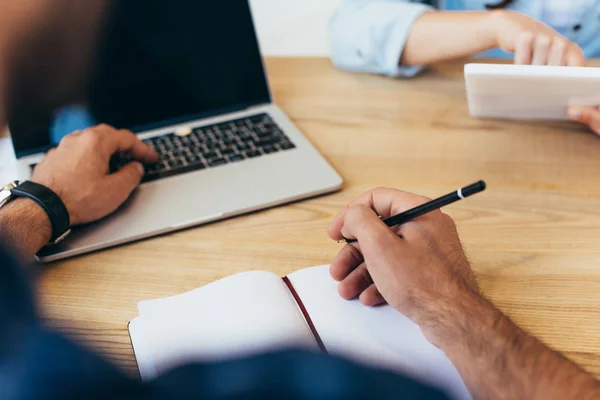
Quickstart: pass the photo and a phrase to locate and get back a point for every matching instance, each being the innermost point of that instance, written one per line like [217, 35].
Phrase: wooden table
[533, 237]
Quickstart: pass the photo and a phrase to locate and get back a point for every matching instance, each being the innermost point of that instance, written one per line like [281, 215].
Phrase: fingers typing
[541, 49]
[575, 56]
[125, 141]
[557, 53]
[524, 48]
[547, 49]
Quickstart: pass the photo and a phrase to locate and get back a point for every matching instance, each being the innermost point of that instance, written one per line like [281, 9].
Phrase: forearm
[443, 35]
[498, 360]
[24, 228]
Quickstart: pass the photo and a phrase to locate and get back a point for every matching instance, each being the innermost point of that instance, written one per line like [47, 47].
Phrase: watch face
[5, 193]
[4, 196]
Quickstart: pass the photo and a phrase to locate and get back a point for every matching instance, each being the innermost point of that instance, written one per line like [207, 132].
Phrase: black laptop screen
[161, 62]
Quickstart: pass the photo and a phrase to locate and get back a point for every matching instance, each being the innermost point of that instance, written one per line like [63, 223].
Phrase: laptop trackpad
[165, 205]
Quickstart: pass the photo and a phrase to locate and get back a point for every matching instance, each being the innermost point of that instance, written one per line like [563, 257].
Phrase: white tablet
[529, 91]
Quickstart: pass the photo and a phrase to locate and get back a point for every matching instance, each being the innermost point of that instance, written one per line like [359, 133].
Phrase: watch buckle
[60, 238]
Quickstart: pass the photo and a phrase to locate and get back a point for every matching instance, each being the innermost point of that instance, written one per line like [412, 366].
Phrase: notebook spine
[309, 322]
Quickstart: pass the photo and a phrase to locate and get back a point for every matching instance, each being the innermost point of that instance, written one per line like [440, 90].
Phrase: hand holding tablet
[589, 115]
[534, 92]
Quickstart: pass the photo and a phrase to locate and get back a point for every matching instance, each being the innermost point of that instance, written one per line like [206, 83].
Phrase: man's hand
[533, 42]
[78, 171]
[419, 268]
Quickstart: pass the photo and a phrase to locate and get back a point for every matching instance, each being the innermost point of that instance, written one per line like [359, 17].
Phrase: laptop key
[265, 142]
[216, 162]
[257, 118]
[270, 149]
[252, 153]
[175, 163]
[243, 147]
[264, 135]
[172, 172]
[149, 168]
[235, 158]
[200, 137]
[227, 151]
[287, 145]
[192, 158]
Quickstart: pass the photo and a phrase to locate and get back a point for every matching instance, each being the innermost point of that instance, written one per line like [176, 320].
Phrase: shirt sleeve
[38, 364]
[369, 35]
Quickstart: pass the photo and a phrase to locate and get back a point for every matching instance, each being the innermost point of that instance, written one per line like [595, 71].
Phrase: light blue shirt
[369, 35]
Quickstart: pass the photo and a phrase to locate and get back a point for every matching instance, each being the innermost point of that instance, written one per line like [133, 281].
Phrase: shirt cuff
[396, 42]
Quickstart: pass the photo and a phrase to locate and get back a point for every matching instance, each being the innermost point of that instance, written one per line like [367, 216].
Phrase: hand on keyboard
[77, 171]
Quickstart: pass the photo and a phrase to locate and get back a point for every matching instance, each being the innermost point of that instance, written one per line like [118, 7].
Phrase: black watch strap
[50, 202]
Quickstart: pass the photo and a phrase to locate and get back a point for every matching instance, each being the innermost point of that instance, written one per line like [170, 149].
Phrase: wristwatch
[45, 198]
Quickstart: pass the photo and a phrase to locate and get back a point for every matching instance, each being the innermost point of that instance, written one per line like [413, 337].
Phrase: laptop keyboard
[211, 146]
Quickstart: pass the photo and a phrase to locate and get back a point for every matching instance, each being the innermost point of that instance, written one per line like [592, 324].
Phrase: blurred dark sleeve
[292, 374]
[16, 303]
[38, 364]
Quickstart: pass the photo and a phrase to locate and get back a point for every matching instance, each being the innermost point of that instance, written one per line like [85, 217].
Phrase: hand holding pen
[404, 264]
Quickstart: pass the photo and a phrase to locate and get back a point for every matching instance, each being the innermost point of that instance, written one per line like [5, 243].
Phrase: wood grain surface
[533, 237]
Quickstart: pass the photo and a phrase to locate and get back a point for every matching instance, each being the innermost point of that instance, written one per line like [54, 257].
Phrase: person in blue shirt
[398, 37]
[419, 268]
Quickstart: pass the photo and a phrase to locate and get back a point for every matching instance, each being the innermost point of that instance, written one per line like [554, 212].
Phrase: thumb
[587, 115]
[124, 181]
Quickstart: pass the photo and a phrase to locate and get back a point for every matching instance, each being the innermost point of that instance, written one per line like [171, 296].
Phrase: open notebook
[251, 312]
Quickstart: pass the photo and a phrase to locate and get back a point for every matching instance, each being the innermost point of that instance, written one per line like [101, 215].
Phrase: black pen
[432, 205]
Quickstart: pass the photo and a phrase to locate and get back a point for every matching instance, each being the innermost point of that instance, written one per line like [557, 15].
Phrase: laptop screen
[161, 62]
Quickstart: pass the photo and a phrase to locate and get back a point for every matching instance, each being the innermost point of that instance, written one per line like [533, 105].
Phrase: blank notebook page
[377, 336]
[240, 315]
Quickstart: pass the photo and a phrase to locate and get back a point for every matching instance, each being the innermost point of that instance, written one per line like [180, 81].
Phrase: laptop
[187, 77]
